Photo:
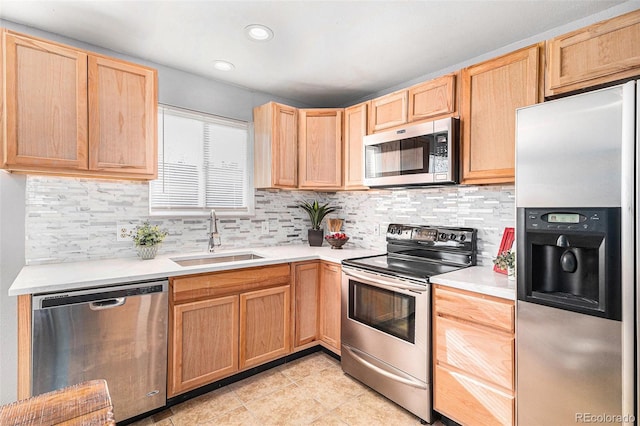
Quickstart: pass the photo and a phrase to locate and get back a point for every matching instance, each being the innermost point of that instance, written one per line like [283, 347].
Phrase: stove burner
[419, 252]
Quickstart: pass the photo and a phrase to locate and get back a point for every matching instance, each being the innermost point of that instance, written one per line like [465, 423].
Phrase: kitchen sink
[212, 258]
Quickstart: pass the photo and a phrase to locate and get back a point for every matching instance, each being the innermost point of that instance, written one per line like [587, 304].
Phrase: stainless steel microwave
[420, 154]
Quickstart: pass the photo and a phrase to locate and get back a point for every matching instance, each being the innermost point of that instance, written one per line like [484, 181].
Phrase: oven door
[386, 319]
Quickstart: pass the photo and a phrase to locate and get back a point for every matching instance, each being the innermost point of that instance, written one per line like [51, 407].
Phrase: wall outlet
[124, 231]
[265, 227]
[376, 229]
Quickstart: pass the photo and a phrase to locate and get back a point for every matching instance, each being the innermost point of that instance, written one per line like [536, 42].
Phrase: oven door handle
[360, 357]
[378, 281]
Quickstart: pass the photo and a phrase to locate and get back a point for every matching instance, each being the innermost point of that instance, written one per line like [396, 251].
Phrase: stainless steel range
[386, 310]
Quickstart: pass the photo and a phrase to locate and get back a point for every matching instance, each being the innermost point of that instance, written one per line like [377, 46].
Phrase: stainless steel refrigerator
[576, 207]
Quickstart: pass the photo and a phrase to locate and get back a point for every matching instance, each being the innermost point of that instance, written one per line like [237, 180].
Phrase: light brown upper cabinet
[46, 101]
[73, 112]
[123, 117]
[432, 98]
[491, 92]
[597, 54]
[320, 145]
[275, 146]
[388, 111]
[355, 128]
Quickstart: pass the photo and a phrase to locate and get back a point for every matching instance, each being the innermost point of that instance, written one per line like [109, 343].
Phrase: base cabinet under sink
[224, 322]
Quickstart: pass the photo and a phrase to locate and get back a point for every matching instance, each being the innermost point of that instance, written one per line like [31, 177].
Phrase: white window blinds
[203, 164]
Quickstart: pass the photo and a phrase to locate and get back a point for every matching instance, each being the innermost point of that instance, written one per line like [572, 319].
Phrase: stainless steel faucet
[214, 236]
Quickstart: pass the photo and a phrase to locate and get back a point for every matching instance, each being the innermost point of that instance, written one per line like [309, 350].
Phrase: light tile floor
[308, 391]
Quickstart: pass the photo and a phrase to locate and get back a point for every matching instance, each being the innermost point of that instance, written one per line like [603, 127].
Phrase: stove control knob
[443, 236]
[462, 237]
[453, 237]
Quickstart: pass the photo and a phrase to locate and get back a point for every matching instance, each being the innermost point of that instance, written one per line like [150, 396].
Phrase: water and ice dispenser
[572, 259]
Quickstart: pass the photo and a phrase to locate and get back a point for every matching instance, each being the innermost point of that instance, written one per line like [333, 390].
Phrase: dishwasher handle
[101, 305]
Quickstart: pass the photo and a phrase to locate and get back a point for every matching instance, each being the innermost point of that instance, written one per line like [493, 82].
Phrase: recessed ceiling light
[223, 65]
[258, 32]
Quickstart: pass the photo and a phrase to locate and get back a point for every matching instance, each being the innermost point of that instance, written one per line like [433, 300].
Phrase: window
[203, 164]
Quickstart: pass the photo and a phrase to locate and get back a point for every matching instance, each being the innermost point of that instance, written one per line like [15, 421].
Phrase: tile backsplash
[71, 219]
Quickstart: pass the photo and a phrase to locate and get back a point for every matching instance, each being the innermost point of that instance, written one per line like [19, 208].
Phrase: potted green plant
[507, 261]
[147, 238]
[317, 213]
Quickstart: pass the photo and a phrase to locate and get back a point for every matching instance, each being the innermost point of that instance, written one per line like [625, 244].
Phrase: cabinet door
[306, 281]
[491, 92]
[388, 111]
[204, 343]
[123, 111]
[330, 278]
[285, 146]
[597, 54]
[355, 128]
[46, 105]
[264, 325]
[275, 159]
[432, 98]
[320, 143]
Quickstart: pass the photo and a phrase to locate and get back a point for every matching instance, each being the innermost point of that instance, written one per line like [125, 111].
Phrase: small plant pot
[316, 237]
[511, 273]
[147, 252]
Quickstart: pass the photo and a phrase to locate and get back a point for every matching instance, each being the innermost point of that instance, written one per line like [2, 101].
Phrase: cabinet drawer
[477, 308]
[469, 401]
[228, 282]
[482, 353]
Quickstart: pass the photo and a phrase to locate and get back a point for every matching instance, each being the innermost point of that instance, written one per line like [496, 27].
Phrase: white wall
[12, 232]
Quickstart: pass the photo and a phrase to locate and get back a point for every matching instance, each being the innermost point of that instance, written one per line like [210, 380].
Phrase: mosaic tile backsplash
[70, 219]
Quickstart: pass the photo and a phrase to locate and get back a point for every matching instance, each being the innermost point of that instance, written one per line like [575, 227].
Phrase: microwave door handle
[382, 283]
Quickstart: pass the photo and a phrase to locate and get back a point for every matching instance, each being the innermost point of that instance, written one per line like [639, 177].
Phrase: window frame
[249, 210]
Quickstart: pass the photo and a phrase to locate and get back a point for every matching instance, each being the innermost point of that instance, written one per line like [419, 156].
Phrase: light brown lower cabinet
[306, 282]
[264, 325]
[205, 342]
[329, 305]
[223, 322]
[474, 352]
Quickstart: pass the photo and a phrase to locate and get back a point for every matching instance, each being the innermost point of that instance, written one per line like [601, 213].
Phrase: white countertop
[479, 279]
[58, 277]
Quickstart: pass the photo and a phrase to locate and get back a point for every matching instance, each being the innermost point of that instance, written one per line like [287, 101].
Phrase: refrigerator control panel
[562, 219]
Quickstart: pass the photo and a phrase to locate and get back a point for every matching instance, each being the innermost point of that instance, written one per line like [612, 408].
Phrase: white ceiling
[324, 53]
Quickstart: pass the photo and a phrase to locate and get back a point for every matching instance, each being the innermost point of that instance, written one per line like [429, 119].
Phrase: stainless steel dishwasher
[114, 333]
